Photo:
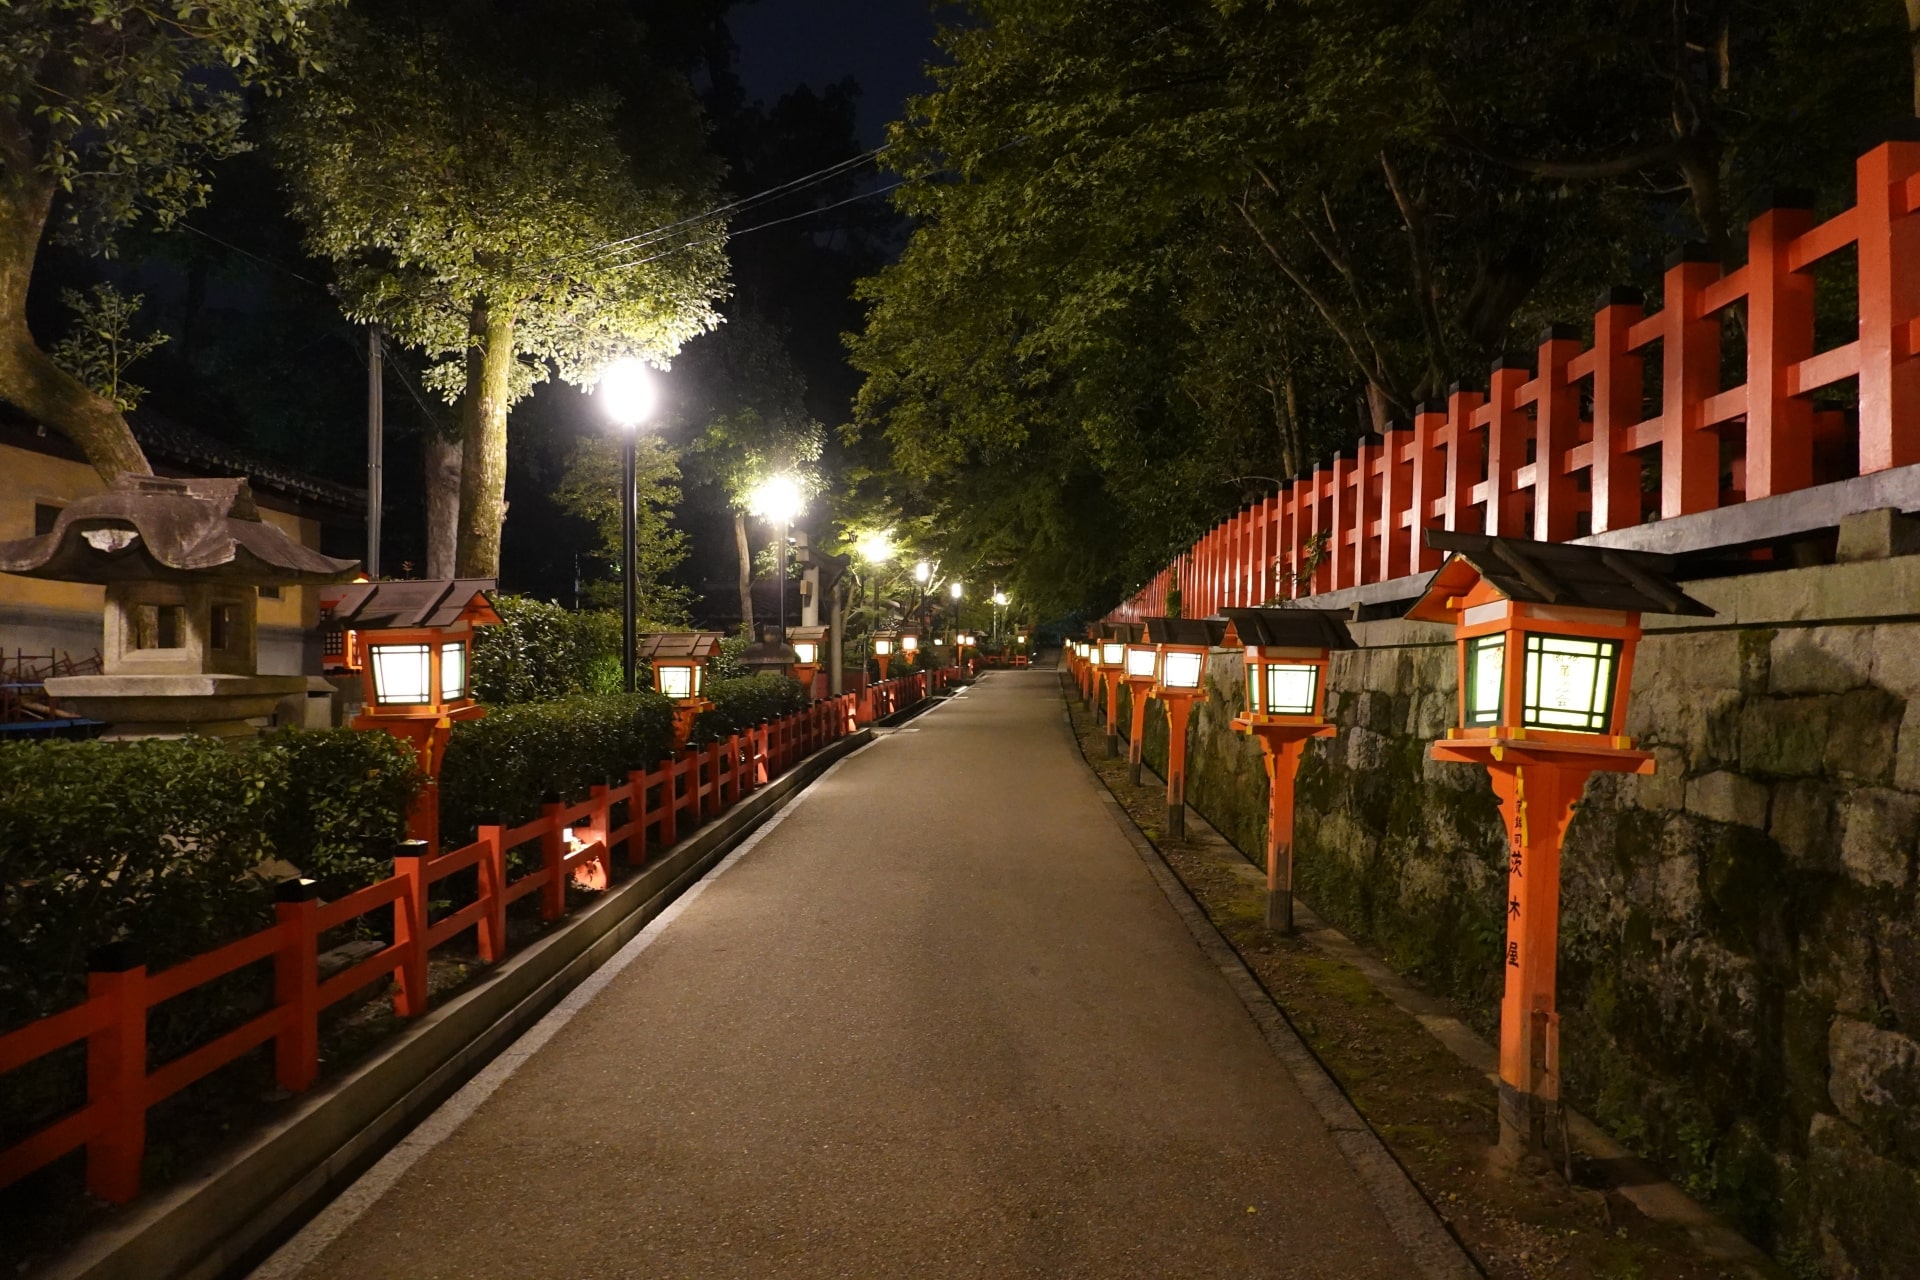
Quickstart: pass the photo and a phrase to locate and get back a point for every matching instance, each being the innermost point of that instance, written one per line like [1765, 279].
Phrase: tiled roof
[171, 441]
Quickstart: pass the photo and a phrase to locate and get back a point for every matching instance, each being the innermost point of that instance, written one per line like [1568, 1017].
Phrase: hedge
[161, 843]
[540, 652]
[504, 764]
[744, 702]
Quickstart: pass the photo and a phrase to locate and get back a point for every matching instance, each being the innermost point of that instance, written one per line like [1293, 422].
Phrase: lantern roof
[388, 606]
[1289, 628]
[160, 529]
[808, 635]
[1210, 632]
[1552, 573]
[1126, 632]
[698, 645]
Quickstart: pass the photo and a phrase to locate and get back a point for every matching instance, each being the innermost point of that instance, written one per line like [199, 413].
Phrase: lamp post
[999, 608]
[1184, 644]
[876, 549]
[625, 391]
[923, 575]
[778, 498]
[1142, 672]
[1545, 635]
[1287, 652]
[957, 591]
[1113, 663]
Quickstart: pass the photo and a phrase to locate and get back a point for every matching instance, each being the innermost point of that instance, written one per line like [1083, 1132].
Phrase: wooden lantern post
[679, 662]
[883, 647]
[1111, 665]
[1546, 634]
[415, 641]
[809, 648]
[1287, 654]
[1185, 644]
[1142, 672]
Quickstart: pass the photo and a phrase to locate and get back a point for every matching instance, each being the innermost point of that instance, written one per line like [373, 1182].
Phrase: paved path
[939, 1022]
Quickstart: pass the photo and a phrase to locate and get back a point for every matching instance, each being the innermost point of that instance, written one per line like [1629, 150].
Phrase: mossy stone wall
[1740, 949]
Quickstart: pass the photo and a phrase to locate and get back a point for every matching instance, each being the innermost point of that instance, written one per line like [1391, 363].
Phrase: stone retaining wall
[1740, 949]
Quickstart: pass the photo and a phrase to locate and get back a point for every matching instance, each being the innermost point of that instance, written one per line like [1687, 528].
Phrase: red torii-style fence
[662, 803]
[1522, 459]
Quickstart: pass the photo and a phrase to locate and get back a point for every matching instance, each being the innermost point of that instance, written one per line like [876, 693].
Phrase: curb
[232, 1216]
[1413, 1221]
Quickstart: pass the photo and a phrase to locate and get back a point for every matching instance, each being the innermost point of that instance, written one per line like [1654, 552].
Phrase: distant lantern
[1287, 654]
[1142, 672]
[679, 661]
[416, 674]
[1112, 669]
[809, 646]
[1184, 645]
[909, 643]
[1545, 635]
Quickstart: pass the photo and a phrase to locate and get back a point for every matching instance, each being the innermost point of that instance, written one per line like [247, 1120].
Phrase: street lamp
[1545, 636]
[999, 604]
[956, 590]
[778, 498]
[625, 392]
[876, 549]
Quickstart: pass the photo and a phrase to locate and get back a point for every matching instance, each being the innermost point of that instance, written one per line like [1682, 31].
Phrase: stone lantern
[1545, 635]
[182, 561]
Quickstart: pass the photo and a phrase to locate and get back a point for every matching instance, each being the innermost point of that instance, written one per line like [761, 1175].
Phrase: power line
[762, 226]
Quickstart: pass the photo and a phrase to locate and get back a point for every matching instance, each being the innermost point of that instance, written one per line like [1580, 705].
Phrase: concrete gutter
[230, 1216]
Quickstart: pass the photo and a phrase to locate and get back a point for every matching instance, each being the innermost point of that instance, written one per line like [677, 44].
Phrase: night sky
[883, 44]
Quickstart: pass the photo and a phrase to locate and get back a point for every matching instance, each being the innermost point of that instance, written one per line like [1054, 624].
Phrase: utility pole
[376, 447]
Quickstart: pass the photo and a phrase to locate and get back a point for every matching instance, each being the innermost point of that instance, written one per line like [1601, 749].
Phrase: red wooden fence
[1554, 449]
[575, 839]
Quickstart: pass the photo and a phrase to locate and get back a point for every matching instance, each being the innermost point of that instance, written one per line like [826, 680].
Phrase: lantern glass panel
[1486, 664]
[1182, 670]
[676, 681]
[1569, 683]
[806, 652]
[1290, 688]
[1141, 660]
[884, 648]
[402, 674]
[909, 643]
[1112, 652]
[453, 671]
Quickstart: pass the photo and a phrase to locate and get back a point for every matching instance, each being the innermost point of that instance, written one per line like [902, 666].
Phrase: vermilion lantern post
[416, 640]
[1113, 668]
[1142, 670]
[883, 647]
[1546, 634]
[679, 661]
[809, 645]
[1287, 652]
[1184, 644]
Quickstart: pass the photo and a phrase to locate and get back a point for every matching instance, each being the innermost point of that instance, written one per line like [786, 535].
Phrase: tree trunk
[29, 378]
[442, 457]
[746, 573]
[483, 442]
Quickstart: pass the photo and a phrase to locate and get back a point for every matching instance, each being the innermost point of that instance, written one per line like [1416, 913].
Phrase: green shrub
[744, 702]
[506, 762]
[344, 803]
[540, 652]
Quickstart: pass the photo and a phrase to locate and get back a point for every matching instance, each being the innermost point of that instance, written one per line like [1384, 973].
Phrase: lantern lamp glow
[679, 662]
[882, 646]
[1184, 645]
[909, 642]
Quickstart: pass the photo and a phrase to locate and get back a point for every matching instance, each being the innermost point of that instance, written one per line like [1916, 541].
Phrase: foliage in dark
[503, 765]
[540, 652]
[743, 703]
[159, 843]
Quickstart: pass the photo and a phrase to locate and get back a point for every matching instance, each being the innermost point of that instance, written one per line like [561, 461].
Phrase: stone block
[1862, 729]
[1896, 658]
[1663, 789]
[1864, 1206]
[1724, 796]
[1875, 1083]
[1365, 749]
[1805, 822]
[1877, 846]
[1880, 534]
[1784, 737]
[1906, 749]
[1899, 955]
[1827, 659]
[1691, 660]
[1433, 713]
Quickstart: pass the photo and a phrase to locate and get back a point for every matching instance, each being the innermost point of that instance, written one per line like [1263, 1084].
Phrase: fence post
[1889, 261]
[296, 984]
[1506, 447]
[1615, 472]
[1396, 503]
[1428, 483]
[117, 1073]
[1556, 422]
[493, 887]
[410, 927]
[1367, 484]
[669, 783]
[1463, 459]
[553, 890]
[1690, 369]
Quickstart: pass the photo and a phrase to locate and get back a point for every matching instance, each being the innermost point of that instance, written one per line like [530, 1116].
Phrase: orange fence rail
[1554, 448]
[576, 841]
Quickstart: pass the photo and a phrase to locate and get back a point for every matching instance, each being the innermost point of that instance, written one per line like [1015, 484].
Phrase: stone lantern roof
[158, 529]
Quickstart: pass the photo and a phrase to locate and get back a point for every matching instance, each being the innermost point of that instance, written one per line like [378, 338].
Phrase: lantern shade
[909, 642]
[1291, 689]
[1143, 661]
[1182, 669]
[1112, 652]
[806, 652]
[679, 660]
[1569, 682]
[1184, 644]
[402, 674]
[674, 679]
[453, 671]
[882, 647]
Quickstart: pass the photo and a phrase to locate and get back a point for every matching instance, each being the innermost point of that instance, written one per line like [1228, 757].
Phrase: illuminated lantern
[1287, 651]
[1112, 666]
[809, 651]
[909, 643]
[1141, 671]
[883, 649]
[1184, 645]
[1545, 636]
[679, 662]
[415, 639]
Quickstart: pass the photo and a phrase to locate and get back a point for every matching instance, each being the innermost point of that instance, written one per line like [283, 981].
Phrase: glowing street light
[625, 393]
[779, 499]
